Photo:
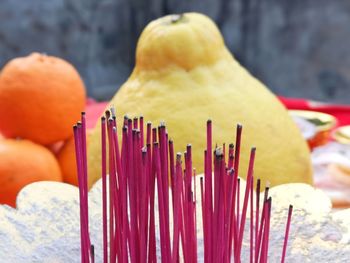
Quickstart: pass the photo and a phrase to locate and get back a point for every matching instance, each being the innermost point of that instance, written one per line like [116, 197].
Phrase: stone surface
[45, 225]
[298, 48]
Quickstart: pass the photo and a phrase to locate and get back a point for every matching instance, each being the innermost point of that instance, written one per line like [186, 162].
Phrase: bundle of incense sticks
[142, 174]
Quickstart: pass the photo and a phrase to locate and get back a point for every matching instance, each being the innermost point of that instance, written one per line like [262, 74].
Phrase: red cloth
[93, 112]
[341, 112]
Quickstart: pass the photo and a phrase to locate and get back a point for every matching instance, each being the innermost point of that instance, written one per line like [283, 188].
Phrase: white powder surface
[45, 226]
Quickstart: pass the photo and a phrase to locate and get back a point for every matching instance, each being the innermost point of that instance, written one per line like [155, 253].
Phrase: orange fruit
[56, 147]
[23, 162]
[41, 97]
[67, 162]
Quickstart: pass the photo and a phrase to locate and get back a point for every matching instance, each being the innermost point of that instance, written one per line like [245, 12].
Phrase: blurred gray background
[299, 48]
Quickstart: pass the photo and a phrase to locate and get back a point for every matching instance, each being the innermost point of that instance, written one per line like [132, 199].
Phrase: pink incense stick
[84, 160]
[251, 256]
[135, 123]
[83, 243]
[245, 201]
[228, 215]
[261, 226]
[286, 235]
[209, 194]
[162, 216]
[112, 209]
[163, 154]
[177, 208]
[152, 233]
[135, 169]
[257, 217]
[236, 192]
[104, 189]
[142, 132]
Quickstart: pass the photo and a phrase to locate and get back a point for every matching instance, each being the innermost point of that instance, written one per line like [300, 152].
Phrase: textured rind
[45, 226]
[187, 85]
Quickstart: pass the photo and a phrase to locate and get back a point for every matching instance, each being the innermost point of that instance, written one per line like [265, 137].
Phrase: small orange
[23, 162]
[67, 162]
[41, 97]
[56, 147]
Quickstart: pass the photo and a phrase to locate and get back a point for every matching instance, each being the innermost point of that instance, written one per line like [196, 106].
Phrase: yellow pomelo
[184, 75]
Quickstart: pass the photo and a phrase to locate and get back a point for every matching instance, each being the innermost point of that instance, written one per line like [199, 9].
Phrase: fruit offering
[41, 97]
[183, 75]
[23, 162]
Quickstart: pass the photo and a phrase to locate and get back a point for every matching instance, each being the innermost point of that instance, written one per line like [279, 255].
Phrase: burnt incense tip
[267, 188]
[126, 117]
[290, 207]
[149, 123]
[178, 156]
[125, 129]
[83, 113]
[162, 124]
[79, 124]
[75, 126]
[253, 149]
[103, 118]
[129, 121]
[92, 251]
[107, 113]
[218, 152]
[171, 141]
[269, 202]
[112, 109]
[209, 121]
[231, 146]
